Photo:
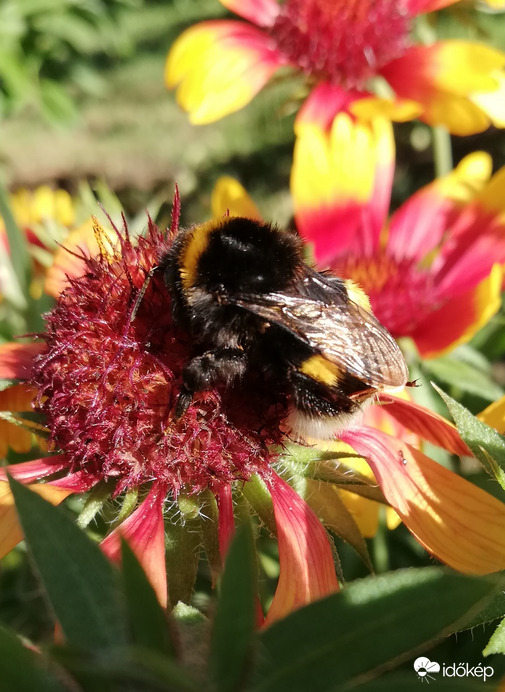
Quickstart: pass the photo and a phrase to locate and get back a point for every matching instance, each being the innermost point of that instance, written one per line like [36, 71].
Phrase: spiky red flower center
[108, 384]
[343, 41]
[401, 293]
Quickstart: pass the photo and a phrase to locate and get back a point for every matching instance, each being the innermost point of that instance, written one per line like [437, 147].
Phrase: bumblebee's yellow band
[322, 370]
[198, 243]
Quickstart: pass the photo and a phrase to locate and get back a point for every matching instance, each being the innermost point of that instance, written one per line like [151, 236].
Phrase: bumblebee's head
[238, 255]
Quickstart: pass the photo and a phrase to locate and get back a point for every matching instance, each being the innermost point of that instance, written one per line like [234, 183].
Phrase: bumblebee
[243, 291]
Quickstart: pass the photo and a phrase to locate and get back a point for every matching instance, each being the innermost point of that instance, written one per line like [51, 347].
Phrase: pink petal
[34, 470]
[260, 12]
[145, 532]
[307, 570]
[16, 360]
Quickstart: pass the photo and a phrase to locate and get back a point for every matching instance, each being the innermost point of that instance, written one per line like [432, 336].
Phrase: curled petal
[427, 424]
[229, 197]
[144, 530]
[218, 67]
[16, 360]
[34, 470]
[453, 519]
[307, 570]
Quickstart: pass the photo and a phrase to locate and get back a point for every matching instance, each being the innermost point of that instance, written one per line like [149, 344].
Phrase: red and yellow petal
[443, 78]
[230, 198]
[460, 317]
[145, 532]
[260, 12]
[417, 419]
[454, 520]
[421, 222]
[341, 182]
[218, 67]
[307, 570]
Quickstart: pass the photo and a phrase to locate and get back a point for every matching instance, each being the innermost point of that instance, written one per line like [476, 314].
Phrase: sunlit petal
[218, 67]
[460, 317]
[144, 531]
[453, 519]
[307, 570]
[229, 197]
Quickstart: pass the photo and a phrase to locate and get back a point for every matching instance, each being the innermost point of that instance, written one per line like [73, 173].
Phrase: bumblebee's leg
[203, 372]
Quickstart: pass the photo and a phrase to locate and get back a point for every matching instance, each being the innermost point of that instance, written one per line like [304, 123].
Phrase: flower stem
[442, 151]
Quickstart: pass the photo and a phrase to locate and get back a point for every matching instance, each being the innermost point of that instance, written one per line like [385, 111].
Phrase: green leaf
[485, 443]
[21, 670]
[16, 263]
[496, 645]
[148, 620]
[365, 627]
[132, 669]
[234, 620]
[403, 682]
[182, 556]
[463, 376]
[79, 580]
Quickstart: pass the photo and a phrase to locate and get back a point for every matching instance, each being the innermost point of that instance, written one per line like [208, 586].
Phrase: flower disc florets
[343, 41]
[109, 380]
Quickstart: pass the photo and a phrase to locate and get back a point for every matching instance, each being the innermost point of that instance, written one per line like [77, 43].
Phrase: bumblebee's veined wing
[341, 331]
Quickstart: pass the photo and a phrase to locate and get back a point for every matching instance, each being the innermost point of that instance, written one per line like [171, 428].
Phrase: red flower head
[107, 374]
[345, 48]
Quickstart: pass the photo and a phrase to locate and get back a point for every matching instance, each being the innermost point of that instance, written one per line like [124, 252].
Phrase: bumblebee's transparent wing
[340, 330]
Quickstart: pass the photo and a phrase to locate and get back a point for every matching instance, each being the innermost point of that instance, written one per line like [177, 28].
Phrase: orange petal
[459, 318]
[260, 12]
[453, 519]
[144, 531]
[16, 360]
[229, 197]
[16, 398]
[218, 67]
[10, 529]
[307, 571]
[427, 424]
